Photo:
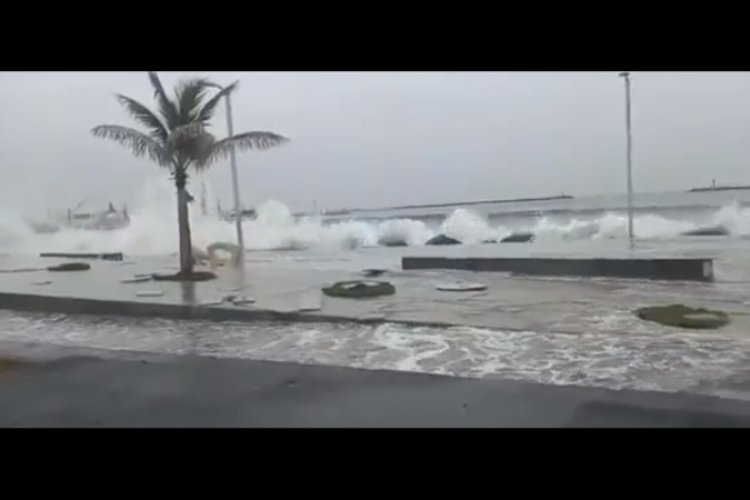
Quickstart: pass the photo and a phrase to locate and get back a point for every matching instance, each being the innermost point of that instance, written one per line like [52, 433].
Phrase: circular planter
[359, 289]
[682, 316]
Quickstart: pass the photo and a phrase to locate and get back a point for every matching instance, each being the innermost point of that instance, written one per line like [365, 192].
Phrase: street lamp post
[235, 182]
[235, 178]
[626, 76]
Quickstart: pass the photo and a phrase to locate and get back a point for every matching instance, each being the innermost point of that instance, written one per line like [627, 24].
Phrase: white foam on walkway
[707, 363]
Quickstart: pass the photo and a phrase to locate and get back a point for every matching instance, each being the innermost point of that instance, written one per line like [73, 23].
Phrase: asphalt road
[186, 391]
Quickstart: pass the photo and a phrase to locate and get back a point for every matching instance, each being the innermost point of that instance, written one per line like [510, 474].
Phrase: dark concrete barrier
[653, 269]
[102, 256]
[708, 231]
[75, 305]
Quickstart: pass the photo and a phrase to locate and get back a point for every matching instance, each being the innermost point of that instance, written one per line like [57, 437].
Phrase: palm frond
[257, 140]
[145, 116]
[139, 143]
[190, 94]
[207, 112]
[167, 108]
[191, 139]
[187, 131]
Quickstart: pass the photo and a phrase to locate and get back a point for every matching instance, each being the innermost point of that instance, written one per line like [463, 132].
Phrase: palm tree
[178, 139]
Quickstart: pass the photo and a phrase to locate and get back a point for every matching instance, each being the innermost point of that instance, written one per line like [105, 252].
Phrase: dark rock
[682, 316]
[708, 231]
[489, 242]
[392, 242]
[70, 266]
[359, 289]
[397, 244]
[442, 239]
[518, 238]
[180, 276]
[373, 273]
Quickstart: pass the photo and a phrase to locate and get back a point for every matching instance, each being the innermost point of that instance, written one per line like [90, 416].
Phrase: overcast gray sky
[372, 139]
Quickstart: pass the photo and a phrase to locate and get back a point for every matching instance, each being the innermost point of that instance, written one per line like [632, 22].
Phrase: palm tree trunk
[183, 222]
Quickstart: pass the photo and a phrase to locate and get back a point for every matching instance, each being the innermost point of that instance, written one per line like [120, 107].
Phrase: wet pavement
[510, 302]
[701, 363]
[553, 331]
[188, 391]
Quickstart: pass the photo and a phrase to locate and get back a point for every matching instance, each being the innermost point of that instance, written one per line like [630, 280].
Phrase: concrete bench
[654, 269]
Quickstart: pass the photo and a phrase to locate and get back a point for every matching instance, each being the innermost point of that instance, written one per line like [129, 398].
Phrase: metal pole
[626, 75]
[235, 185]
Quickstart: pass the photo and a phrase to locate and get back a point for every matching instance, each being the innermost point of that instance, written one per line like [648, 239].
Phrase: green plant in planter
[681, 316]
[359, 289]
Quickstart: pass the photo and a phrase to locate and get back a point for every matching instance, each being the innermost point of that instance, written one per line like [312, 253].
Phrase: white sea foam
[648, 359]
[153, 228]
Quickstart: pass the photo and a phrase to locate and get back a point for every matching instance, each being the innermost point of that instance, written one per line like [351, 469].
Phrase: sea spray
[153, 227]
[646, 226]
[469, 227]
[410, 231]
[15, 233]
[575, 229]
[734, 218]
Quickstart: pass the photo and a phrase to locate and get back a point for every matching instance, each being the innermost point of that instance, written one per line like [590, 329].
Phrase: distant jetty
[352, 211]
[718, 188]
[714, 187]
[467, 203]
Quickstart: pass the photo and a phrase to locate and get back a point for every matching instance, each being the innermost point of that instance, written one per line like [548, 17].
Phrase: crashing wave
[153, 229]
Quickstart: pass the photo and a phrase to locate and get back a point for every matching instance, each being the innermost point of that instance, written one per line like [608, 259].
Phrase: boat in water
[245, 214]
[106, 220]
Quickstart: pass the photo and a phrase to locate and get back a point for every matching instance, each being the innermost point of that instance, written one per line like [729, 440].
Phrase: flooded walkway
[562, 332]
[509, 302]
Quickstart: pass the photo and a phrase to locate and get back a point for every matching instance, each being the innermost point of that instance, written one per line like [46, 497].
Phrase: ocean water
[584, 225]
